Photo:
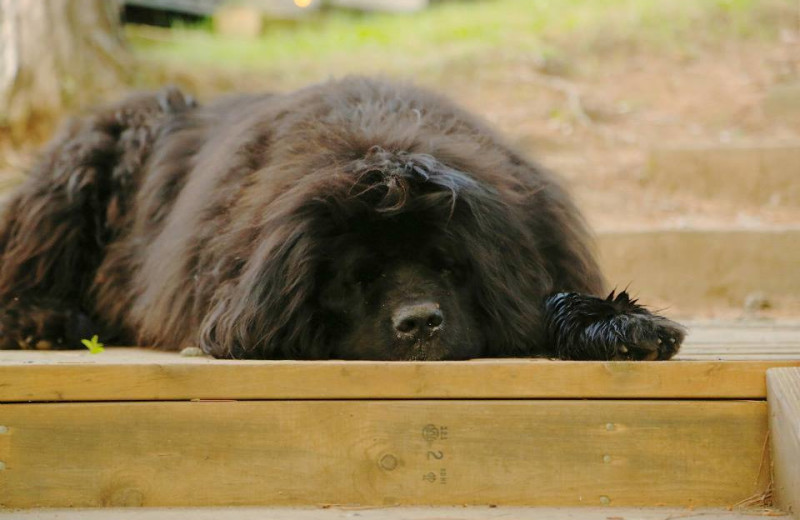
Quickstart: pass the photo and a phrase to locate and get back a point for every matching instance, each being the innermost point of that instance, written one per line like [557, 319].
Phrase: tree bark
[55, 55]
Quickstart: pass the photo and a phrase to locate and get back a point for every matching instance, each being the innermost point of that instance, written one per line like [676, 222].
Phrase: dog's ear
[268, 312]
[53, 230]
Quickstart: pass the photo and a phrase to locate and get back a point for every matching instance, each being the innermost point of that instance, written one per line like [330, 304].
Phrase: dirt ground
[634, 105]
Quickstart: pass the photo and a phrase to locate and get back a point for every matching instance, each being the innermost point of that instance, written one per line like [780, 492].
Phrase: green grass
[467, 32]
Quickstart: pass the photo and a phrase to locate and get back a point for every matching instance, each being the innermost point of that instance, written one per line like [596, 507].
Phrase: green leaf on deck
[94, 346]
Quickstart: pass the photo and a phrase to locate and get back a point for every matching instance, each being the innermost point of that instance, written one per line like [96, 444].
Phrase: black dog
[356, 219]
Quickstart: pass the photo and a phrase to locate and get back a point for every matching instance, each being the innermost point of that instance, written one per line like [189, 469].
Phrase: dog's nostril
[435, 319]
[414, 319]
[407, 325]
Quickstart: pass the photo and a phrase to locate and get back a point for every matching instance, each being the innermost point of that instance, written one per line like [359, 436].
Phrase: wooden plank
[784, 405]
[618, 453]
[754, 331]
[139, 374]
[393, 513]
[756, 338]
[741, 340]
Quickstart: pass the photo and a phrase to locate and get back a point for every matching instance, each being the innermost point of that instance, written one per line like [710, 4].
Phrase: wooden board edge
[364, 380]
[344, 512]
[783, 386]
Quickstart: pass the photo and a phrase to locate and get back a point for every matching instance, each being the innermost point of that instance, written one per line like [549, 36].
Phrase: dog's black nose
[419, 320]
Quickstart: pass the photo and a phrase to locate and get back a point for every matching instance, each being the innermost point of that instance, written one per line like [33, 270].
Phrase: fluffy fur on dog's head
[390, 211]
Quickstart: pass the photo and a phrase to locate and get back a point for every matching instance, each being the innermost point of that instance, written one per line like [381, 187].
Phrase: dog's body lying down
[355, 219]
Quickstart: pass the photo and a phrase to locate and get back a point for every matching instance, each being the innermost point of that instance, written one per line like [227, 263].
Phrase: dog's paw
[36, 327]
[586, 328]
[645, 337]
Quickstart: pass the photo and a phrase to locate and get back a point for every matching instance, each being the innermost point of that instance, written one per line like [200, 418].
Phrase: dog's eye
[366, 273]
[441, 261]
[453, 271]
[448, 265]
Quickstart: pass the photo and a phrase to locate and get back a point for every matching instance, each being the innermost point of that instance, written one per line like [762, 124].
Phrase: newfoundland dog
[355, 219]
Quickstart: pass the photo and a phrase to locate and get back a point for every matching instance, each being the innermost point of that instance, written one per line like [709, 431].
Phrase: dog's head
[394, 256]
[393, 289]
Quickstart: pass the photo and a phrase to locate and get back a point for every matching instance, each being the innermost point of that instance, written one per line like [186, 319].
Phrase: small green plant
[94, 346]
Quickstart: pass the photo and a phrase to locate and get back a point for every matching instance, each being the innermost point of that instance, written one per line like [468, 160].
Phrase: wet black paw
[584, 327]
[645, 337]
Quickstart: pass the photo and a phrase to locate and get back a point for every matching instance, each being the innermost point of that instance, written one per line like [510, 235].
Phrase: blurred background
[676, 123]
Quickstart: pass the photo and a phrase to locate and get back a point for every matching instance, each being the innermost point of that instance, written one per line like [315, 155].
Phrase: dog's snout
[418, 320]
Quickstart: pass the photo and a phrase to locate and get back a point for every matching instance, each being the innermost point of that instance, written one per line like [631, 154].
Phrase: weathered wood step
[756, 173]
[695, 269]
[782, 102]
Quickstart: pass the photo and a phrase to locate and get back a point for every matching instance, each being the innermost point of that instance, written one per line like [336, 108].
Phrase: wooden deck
[718, 361]
[136, 427]
[742, 340]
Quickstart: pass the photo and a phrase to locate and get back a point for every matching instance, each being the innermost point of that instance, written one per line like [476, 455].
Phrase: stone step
[762, 174]
[693, 270]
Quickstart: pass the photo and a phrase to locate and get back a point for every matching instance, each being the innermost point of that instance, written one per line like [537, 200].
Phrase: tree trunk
[55, 55]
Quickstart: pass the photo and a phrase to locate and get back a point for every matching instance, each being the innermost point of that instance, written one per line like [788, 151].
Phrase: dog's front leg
[582, 327]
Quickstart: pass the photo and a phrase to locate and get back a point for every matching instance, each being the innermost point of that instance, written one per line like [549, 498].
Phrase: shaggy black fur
[353, 219]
